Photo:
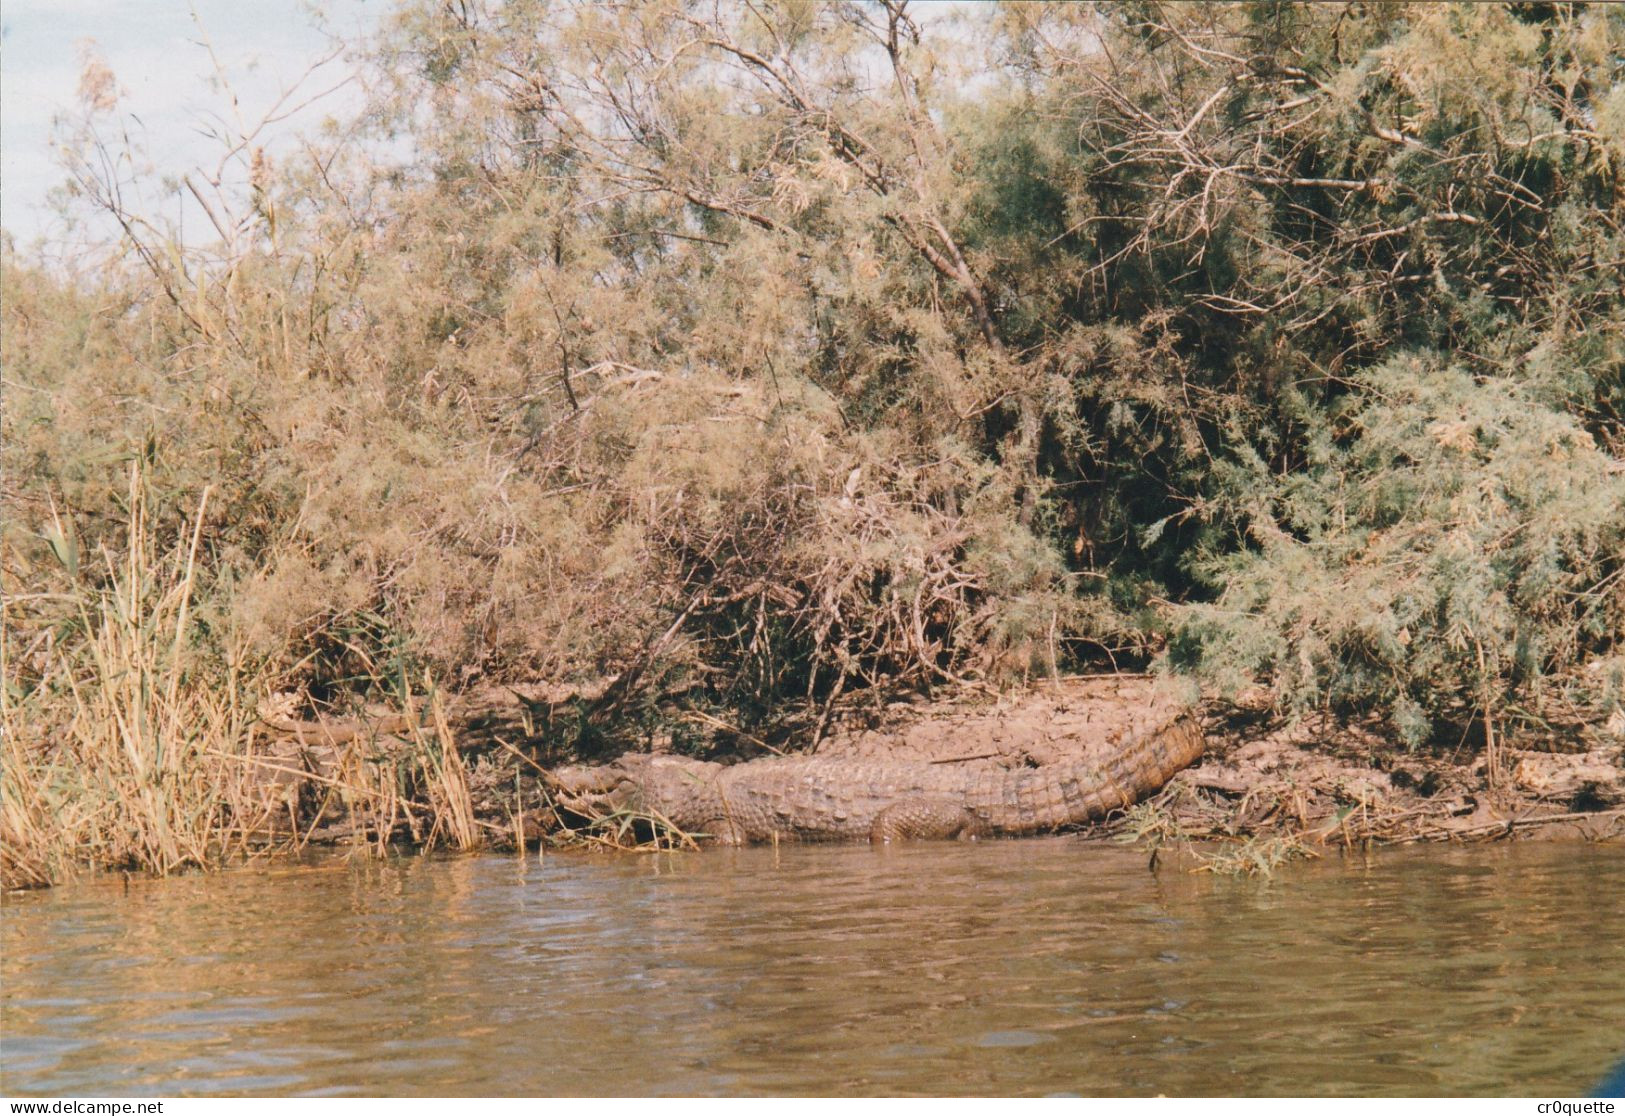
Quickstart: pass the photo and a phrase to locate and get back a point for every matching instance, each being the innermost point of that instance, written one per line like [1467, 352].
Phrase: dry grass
[127, 745]
[1255, 856]
[113, 737]
[627, 831]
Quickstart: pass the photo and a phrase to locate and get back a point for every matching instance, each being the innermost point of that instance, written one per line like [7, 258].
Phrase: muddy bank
[1269, 790]
[1331, 783]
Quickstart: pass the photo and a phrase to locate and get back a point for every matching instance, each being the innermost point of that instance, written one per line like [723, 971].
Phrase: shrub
[1450, 541]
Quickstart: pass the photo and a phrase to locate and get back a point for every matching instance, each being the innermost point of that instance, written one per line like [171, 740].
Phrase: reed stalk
[115, 742]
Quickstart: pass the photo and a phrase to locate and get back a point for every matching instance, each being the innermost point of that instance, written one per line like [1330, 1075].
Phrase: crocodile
[816, 798]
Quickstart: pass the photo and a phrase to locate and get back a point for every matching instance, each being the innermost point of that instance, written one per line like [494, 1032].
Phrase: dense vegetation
[772, 353]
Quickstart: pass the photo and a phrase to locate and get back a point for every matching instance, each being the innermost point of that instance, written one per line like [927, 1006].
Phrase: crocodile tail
[1063, 794]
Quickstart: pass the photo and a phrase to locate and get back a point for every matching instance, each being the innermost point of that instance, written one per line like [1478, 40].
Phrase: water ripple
[1035, 967]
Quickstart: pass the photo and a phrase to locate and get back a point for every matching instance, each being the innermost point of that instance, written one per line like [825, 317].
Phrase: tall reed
[129, 742]
[114, 748]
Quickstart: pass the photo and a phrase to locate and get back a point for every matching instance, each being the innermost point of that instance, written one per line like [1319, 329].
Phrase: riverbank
[1269, 791]
[1265, 790]
[473, 773]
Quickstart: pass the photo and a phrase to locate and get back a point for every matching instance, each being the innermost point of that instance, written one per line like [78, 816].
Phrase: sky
[153, 48]
[165, 77]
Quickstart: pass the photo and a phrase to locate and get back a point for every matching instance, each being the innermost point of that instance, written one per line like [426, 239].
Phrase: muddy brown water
[1003, 967]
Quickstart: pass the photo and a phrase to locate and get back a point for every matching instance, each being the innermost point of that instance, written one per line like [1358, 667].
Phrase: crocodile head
[605, 789]
[635, 784]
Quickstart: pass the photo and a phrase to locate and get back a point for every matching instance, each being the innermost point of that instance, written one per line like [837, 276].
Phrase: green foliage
[769, 352]
[1447, 538]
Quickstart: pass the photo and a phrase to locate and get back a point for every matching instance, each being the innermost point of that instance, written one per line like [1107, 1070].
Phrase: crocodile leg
[913, 819]
[724, 831]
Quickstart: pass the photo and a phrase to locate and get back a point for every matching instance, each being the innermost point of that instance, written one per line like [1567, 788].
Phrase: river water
[1001, 967]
